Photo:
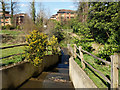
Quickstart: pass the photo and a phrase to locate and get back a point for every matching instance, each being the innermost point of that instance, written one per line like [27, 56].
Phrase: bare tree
[32, 4]
[50, 27]
[3, 10]
[30, 19]
[14, 8]
[41, 18]
[82, 11]
[28, 24]
[40, 14]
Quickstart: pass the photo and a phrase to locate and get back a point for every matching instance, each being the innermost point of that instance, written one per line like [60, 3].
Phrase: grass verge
[11, 60]
[94, 76]
[11, 32]
[11, 51]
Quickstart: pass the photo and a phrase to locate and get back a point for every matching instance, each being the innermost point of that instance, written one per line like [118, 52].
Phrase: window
[21, 16]
[72, 12]
[6, 17]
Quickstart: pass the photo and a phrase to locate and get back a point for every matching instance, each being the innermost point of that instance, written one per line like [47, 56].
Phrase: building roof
[6, 15]
[9, 15]
[20, 14]
[65, 10]
[53, 16]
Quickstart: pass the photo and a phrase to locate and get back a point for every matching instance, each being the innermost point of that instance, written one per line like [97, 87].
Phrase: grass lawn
[11, 51]
[94, 76]
[11, 60]
[5, 44]
[12, 37]
[11, 32]
[15, 50]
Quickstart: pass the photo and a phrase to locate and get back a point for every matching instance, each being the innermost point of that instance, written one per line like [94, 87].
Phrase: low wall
[52, 60]
[15, 75]
[78, 76]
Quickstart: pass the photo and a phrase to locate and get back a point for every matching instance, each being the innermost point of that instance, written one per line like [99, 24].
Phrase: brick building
[7, 18]
[64, 15]
[18, 18]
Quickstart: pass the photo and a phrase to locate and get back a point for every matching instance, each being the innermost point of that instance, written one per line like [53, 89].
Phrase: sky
[51, 7]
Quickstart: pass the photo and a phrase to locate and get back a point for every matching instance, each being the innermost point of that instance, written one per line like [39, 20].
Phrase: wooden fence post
[81, 56]
[74, 50]
[114, 70]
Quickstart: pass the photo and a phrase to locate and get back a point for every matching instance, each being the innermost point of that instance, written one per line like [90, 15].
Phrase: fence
[115, 64]
[47, 50]
[12, 47]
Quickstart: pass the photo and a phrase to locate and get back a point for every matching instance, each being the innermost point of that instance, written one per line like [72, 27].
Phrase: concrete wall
[53, 59]
[78, 76]
[15, 75]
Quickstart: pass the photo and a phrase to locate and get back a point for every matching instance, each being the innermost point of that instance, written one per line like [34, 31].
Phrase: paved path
[58, 77]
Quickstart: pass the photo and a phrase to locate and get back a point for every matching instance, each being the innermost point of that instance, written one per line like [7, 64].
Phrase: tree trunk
[3, 11]
[11, 12]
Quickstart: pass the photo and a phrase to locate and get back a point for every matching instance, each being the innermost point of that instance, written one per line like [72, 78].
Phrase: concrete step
[63, 66]
[49, 80]
[47, 84]
[57, 84]
[60, 70]
[53, 76]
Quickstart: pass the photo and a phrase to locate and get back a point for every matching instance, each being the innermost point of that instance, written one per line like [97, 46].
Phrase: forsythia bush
[38, 43]
[54, 44]
[37, 46]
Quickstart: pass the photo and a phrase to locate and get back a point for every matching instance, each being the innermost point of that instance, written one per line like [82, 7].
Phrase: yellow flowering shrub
[37, 46]
[54, 44]
[38, 43]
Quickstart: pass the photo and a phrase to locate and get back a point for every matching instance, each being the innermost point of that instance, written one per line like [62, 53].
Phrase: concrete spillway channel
[55, 77]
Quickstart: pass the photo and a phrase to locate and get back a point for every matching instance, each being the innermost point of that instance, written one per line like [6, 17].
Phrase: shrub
[59, 33]
[85, 36]
[37, 46]
[106, 52]
[18, 27]
[54, 44]
[38, 42]
[3, 27]
[8, 27]
[12, 27]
